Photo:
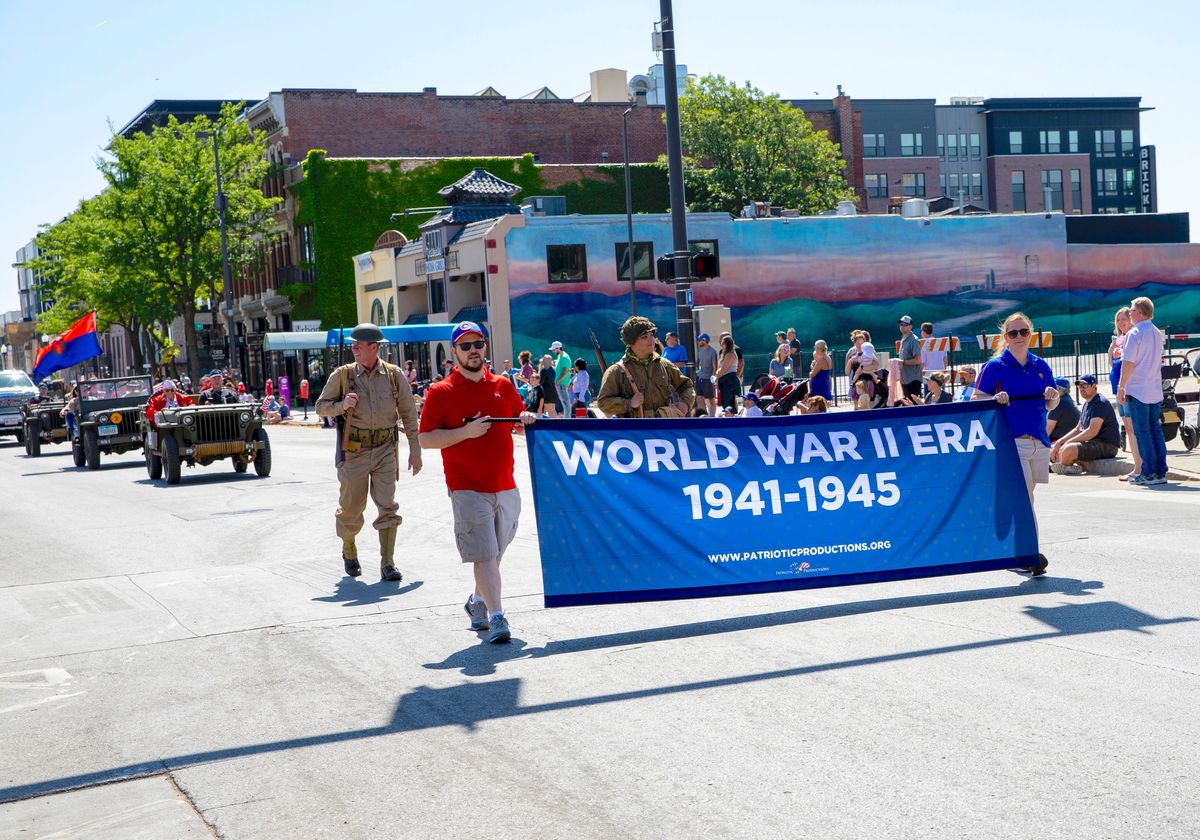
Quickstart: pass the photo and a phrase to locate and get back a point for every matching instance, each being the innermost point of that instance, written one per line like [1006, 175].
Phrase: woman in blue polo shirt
[1017, 378]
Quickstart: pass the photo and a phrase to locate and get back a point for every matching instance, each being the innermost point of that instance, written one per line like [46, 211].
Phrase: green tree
[151, 238]
[743, 145]
[82, 268]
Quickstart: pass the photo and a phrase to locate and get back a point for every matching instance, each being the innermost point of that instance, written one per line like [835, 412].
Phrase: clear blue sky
[68, 69]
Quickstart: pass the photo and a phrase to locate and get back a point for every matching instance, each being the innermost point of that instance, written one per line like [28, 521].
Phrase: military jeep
[110, 411]
[201, 434]
[44, 425]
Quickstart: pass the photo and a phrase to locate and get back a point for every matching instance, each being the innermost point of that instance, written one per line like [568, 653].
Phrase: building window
[962, 145]
[976, 149]
[566, 263]
[877, 186]
[1018, 191]
[1127, 141]
[942, 146]
[1050, 142]
[1106, 182]
[643, 260]
[377, 313]
[952, 184]
[952, 147]
[873, 146]
[1076, 191]
[912, 145]
[913, 183]
[976, 185]
[1073, 142]
[483, 287]
[1014, 143]
[1129, 181]
[437, 293]
[391, 314]
[308, 254]
[1106, 143]
[942, 183]
[1052, 180]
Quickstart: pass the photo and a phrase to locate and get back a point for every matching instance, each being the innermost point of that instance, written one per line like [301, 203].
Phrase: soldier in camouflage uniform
[374, 399]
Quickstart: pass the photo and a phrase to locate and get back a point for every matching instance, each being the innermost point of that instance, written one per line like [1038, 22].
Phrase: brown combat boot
[387, 551]
[350, 558]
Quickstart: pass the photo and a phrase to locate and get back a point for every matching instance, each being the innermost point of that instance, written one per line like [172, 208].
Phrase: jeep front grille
[129, 422]
[50, 420]
[218, 425]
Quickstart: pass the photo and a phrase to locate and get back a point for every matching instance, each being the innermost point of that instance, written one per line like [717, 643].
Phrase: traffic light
[701, 266]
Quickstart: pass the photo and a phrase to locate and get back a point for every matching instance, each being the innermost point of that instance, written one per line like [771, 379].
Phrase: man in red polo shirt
[477, 456]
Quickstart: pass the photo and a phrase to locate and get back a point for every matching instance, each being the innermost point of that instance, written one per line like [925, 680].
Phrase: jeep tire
[33, 439]
[262, 457]
[91, 448]
[77, 452]
[170, 459]
[154, 464]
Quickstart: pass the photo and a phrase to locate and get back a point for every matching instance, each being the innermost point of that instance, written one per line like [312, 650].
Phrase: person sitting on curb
[750, 403]
[1096, 436]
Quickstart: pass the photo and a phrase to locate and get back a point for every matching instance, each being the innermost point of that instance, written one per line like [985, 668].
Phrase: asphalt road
[190, 662]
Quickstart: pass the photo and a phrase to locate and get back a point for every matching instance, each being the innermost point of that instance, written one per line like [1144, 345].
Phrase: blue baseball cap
[1086, 379]
[1064, 383]
[703, 337]
[753, 397]
[466, 328]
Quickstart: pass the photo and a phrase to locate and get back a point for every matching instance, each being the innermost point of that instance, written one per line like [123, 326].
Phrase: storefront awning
[293, 341]
[397, 334]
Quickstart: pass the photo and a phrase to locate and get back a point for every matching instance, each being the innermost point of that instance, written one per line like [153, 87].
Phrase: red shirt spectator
[483, 464]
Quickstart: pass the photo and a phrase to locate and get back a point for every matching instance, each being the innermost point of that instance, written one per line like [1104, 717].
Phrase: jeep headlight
[103, 419]
[244, 417]
[188, 419]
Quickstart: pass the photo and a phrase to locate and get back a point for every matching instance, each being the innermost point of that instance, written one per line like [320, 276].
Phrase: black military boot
[387, 551]
[350, 558]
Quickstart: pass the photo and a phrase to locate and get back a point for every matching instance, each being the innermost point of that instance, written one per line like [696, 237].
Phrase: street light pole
[679, 237]
[629, 213]
[221, 205]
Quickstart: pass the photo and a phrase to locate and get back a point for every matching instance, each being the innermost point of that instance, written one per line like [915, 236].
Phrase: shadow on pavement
[471, 703]
[351, 592]
[214, 477]
[479, 661]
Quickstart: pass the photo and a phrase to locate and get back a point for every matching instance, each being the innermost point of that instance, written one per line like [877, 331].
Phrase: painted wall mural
[828, 275]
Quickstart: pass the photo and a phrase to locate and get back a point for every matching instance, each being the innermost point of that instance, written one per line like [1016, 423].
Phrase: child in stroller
[877, 387]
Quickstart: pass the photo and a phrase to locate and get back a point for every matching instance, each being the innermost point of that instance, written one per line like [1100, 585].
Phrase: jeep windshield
[15, 379]
[110, 389]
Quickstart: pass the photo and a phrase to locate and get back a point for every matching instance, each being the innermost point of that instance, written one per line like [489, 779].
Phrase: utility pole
[679, 237]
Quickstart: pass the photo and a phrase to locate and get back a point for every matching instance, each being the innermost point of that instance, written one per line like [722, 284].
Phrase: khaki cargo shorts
[484, 523]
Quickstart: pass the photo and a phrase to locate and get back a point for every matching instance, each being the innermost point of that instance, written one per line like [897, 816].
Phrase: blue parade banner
[644, 510]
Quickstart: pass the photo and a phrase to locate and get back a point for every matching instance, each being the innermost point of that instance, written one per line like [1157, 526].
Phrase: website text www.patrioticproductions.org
[803, 551]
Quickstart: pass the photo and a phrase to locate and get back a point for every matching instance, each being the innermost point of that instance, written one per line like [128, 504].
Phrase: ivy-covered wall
[349, 202]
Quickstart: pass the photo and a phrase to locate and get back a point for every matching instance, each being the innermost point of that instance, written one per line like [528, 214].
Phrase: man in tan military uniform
[374, 399]
[643, 383]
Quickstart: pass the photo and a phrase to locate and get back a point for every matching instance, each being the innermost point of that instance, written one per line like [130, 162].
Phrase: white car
[16, 389]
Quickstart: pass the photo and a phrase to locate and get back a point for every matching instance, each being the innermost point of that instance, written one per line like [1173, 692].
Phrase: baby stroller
[785, 399]
[780, 396]
[1172, 416]
[878, 386]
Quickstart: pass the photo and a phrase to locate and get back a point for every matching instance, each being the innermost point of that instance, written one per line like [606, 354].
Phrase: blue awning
[397, 334]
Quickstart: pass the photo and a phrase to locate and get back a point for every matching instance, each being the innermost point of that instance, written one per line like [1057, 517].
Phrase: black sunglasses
[1024, 331]
[468, 345]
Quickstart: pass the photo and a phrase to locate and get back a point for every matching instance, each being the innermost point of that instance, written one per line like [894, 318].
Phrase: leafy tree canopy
[743, 145]
[148, 247]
